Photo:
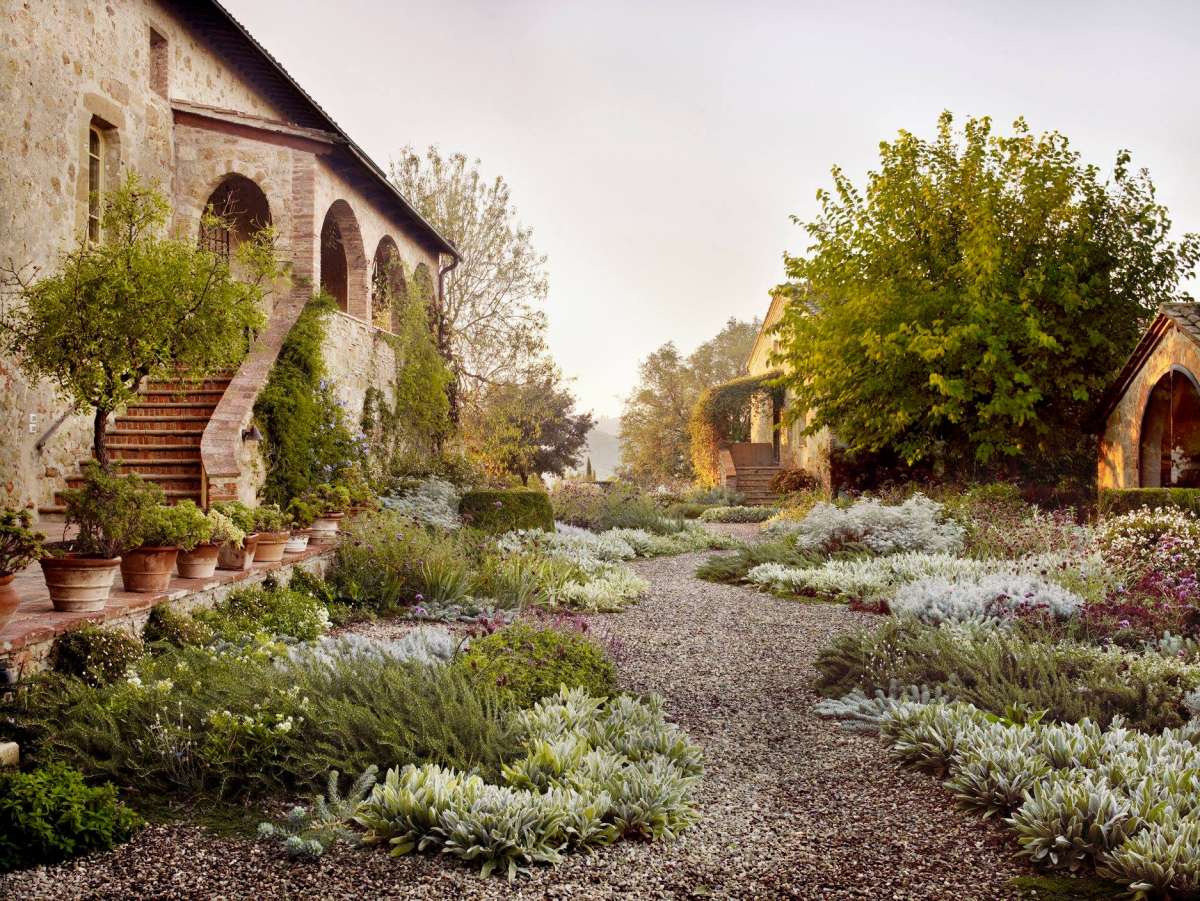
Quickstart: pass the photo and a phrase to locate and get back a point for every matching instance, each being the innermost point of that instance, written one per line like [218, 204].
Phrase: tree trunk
[99, 448]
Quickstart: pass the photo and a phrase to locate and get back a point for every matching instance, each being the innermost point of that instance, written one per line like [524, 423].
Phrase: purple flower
[419, 611]
[420, 597]
[498, 504]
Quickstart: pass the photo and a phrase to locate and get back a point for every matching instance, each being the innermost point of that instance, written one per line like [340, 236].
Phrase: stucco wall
[1118, 466]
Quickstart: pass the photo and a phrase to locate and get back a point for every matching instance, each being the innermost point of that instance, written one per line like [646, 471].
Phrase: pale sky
[658, 149]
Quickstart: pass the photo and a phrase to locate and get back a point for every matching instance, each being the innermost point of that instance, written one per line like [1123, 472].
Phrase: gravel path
[792, 807]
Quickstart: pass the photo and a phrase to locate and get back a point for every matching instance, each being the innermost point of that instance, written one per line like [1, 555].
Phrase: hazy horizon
[658, 151]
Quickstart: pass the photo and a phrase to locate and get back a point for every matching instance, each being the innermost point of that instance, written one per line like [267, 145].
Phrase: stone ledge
[26, 641]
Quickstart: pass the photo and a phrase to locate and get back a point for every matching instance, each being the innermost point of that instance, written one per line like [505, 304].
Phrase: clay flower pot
[148, 569]
[79, 584]
[9, 600]
[325, 527]
[271, 546]
[298, 542]
[230, 556]
[198, 563]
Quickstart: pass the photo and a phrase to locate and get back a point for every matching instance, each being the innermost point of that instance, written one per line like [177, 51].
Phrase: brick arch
[242, 205]
[1157, 389]
[344, 261]
[389, 289]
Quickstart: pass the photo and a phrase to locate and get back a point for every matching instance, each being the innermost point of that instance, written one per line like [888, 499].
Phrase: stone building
[181, 93]
[776, 437]
[1151, 416]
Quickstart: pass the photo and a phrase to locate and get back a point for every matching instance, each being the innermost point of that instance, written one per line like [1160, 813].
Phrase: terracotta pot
[271, 546]
[148, 569]
[198, 563]
[79, 584]
[9, 600]
[230, 556]
[298, 542]
[325, 527]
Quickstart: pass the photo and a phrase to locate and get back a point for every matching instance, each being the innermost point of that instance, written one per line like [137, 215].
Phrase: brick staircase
[158, 436]
[755, 483]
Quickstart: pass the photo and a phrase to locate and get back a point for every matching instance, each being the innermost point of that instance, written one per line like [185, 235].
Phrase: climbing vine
[722, 415]
[306, 439]
[405, 426]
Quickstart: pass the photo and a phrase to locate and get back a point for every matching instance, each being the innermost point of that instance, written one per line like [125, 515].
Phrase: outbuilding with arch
[1151, 415]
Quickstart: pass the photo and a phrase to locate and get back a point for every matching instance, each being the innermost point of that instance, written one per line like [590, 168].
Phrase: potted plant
[332, 502]
[272, 526]
[302, 514]
[200, 562]
[19, 546]
[232, 555]
[362, 495]
[165, 531]
[109, 511]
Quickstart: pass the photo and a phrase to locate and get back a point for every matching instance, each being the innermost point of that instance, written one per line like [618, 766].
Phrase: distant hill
[604, 447]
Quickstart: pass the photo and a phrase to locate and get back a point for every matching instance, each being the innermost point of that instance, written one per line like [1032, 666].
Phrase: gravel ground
[792, 807]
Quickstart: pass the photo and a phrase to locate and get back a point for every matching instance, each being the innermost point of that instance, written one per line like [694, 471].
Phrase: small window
[95, 154]
[159, 64]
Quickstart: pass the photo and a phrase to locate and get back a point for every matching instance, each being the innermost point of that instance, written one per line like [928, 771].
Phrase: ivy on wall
[722, 416]
[405, 426]
[307, 440]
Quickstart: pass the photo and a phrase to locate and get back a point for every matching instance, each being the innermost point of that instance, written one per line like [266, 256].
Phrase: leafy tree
[136, 305]
[973, 302]
[488, 326]
[655, 438]
[528, 428]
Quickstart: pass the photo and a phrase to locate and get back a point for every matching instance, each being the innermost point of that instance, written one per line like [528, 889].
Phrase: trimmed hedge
[1114, 501]
[503, 511]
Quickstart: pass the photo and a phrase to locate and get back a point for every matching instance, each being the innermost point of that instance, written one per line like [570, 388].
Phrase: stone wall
[71, 64]
[1119, 462]
[358, 356]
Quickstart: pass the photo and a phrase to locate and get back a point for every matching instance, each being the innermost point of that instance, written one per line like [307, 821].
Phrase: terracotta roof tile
[1186, 316]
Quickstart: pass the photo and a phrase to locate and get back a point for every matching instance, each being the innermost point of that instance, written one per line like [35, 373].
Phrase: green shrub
[527, 663]
[599, 508]
[182, 525]
[267, 609]
[737, 514]
[732, 568]
[686, 510]
[997, 669]
[242, 516]
[306, 436]
[497, 512]
[97, 655]
[256, 722]
[1114, 501]
[381, 562]
[174, 627]
[269, 518]
[50, 815]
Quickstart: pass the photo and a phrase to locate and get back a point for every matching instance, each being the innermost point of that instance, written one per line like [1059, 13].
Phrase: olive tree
[136, 305]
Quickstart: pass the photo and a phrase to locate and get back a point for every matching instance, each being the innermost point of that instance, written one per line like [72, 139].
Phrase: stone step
[177, 385]
[140, 409]
[181, 425]
[189, 437]
[155, 468]
[210, 396]
[153, 451]
[171, 495]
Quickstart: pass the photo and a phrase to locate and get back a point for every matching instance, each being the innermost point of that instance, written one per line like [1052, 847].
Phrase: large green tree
[655, 438]
[970, 304]
[527, 427]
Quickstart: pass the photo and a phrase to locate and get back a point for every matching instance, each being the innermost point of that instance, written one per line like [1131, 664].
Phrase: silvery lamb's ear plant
[1161, 860]
[918, 524]
[309, 833]
[856, 712]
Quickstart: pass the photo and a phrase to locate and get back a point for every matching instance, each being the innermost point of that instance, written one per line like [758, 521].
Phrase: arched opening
[343, 263]
[389, 293]
[240, 208]
[1169, 444]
